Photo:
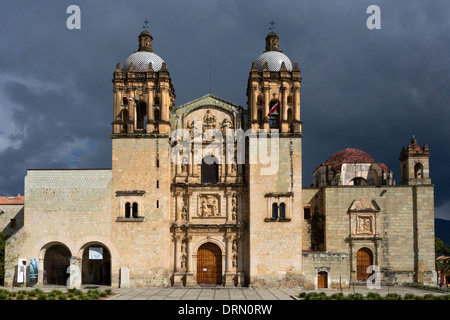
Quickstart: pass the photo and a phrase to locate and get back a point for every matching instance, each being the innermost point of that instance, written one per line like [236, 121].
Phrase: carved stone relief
[209, 205]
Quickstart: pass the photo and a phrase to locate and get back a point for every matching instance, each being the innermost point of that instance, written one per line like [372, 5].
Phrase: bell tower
[273, 90]
[143, 92]
[415, 164]
[275, 196]
[141, 162]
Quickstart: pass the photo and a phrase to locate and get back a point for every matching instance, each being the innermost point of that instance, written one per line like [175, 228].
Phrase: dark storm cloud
[368, 89]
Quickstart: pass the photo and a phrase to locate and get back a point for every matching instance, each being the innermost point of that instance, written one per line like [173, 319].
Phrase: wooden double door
[209, 264]
[364, 259]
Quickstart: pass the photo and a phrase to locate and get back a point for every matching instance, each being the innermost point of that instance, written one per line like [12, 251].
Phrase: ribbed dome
[142, 59]
[349, 155]
[274, 60]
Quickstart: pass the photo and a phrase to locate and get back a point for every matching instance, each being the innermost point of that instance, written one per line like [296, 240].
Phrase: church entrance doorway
[56, 262]
[209, 264]
[96, 265]
[364, 259]
[322, 280]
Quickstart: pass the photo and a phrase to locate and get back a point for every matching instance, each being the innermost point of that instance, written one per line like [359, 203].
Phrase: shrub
[109, 291]
[409, 296]
[30, 298]
[301, 295]
[429, 297]
[42, 296]
[393, 296]
[62, 296]
[3, 296]
[103, 294]
[20, 296]
[356, 296]
[373, 296]
[338, 296]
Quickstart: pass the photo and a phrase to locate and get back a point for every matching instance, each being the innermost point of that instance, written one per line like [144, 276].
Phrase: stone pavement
[221, 293]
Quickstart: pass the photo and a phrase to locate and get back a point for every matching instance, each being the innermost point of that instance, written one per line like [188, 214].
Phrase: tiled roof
[12, 200]
[351, 155]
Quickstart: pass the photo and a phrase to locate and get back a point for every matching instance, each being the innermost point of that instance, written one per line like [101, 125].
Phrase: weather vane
[271, 28]
[146, 22]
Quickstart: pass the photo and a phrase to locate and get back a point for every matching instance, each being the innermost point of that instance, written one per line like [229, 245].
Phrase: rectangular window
[157, 183]
[307, 213]
[157, 203]
[157, 163]
[13, 223]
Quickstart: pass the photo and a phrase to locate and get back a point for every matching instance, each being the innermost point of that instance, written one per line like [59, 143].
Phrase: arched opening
[135, 210]
[322, 280]
[156, 100]
[282, 210]
[358, 181]
[210, 170]
[127, 210]
[274, 211]
[96, 265]
[364, 258]
[56, 262]
[156, 115]
[290, 99]
[418, 171]
[141, 115]
[290, 117]
[209, 264]
[274, 114]
[260, 117]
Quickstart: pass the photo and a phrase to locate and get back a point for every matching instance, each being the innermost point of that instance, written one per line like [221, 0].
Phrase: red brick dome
[349, 155]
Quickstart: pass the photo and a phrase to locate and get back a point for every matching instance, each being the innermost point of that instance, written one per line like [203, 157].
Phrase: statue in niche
[226, 124]
[209, 120]
[184, 165]
[183, 261]
[234, 261]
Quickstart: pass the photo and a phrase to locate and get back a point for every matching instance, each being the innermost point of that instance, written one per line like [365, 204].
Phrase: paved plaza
[221, 293]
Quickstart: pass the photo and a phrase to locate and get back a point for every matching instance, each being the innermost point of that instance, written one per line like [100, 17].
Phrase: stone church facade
[188, 201]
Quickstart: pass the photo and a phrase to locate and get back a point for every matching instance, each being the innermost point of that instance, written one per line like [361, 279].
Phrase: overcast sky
[361, 88]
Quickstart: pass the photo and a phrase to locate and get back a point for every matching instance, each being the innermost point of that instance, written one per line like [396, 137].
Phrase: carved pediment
[364, 205]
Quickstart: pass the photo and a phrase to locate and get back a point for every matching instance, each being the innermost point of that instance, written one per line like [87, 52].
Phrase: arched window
[135, 210]
[156, 115]
[127, 210]
[274, 211]
[210, 170]
[274, 117]
[282, 211]
[418, 171]
[156, 100]
[260, 117]
[141, 113]
[358, 181]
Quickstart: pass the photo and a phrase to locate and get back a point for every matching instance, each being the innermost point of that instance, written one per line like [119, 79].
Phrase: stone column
[41, 272]
[190, 207]
[229, 206]
[190, 278]
[284, 111]
[177, 205]
[229, 274]
[266, 109]
[131, 113]
[150, 114]
[296, 104]
[177, 276]
[240, 261]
